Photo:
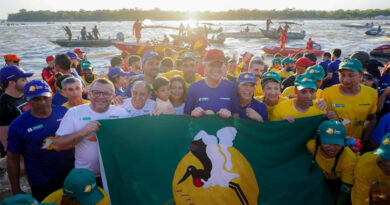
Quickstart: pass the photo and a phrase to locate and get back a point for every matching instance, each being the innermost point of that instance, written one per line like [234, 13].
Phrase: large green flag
[209, 160]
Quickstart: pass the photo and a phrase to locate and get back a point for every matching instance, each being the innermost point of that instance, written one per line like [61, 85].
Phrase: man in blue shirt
[325, 62]
[31, 136]
[332, 78]
[212, 95]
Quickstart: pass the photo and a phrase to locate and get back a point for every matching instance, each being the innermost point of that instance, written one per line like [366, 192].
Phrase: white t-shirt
[180, 110]
[133, 112]
[87, 150]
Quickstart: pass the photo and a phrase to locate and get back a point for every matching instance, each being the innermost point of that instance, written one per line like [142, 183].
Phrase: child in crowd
[163, 92]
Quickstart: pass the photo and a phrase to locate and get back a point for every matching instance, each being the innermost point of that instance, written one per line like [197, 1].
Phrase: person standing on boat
[269, 22]
[84, 33]
[68, 32]
[137, 27]
[96, 33]
[283, 36]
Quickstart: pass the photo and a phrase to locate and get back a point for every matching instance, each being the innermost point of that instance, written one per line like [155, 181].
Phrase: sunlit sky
[12, 6]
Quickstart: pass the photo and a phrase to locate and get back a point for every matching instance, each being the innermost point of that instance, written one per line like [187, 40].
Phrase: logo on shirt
[222, 98]
[40, 126]
[365, 104]
[379, 183]
[203, 99]
[338, 105]
[92, 139]
[85, 118]
[113, 116]
[47, 143]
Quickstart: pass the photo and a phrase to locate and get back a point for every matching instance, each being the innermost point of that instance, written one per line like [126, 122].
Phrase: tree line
[158, 14]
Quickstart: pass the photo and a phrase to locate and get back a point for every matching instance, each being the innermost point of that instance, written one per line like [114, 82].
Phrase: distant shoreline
[161, 15]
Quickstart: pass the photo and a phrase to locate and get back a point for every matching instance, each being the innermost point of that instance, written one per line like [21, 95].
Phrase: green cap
[85, 65]
[81, 184]
[316, 71]
[271, 75]
[352, 64]
[276, 60]
[189, 55]
[384, 148]
[332, 132]
[287, 60]
[305, 81]
[20, 199]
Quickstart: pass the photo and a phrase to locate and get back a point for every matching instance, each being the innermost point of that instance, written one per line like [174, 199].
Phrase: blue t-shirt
[386, 104]
[325, 64]
[59, 99]
[332, 68]
[212, 99]
[381, 129]
[32, 137]
[258, 106]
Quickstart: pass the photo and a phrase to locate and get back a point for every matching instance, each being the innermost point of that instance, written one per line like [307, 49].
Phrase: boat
[374, 32]
[82, 43]
[240, 35]
[358, 25]
[141, 49]
[271, 50]
[381, 51]
[183, 39]
[274, 34]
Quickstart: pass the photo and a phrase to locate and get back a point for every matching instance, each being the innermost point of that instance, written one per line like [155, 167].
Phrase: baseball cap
[332, 132]
[189, 55]
[81, 184]
[49, 58]
[384, 148]
[78, 51]
[246, 77]
[214, 55]
[11, 57]
[85, 65]
[36, 88]
[276, 60]
[316, 71]
[305, 81]
[71, 55]
[21, 199]
[287, 60]
[271, 75]
[149, 55]
[351, 64]
[116, 72]
[13, 72]
[304, 62]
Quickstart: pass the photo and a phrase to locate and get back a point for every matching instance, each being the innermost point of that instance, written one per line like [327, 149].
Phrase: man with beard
[88, 76]
[287, 69]
[79, 125]
[256, 66]
[12, 102]
[30, 136]
[212, 95]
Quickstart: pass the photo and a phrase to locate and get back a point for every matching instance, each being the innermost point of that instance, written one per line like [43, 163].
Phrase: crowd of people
[48, 125]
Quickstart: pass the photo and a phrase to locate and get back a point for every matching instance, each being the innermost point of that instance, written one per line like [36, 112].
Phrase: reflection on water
[31, 41]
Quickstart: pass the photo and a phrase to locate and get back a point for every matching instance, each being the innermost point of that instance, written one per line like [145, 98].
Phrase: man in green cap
[287, 69]
[354, 104]
[301, 106]
[87, 69]
[372, 176]
[79, 186]
[21, 199]
[276, 65]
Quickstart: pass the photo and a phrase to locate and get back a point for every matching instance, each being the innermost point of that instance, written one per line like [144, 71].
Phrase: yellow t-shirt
[273, 69]
[353, 110]
[173, 73]
[284, 75]
[56, 197]
[258, 90]
[67, 103]
[287, 108]
[345, 165]
[270, 109]
[239, 68]
[95, 76]
[370, 182]
[290, 91]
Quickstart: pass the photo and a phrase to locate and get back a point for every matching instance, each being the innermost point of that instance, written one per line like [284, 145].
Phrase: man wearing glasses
[78, 127]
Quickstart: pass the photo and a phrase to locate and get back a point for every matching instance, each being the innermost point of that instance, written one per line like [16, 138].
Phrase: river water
[31, 40]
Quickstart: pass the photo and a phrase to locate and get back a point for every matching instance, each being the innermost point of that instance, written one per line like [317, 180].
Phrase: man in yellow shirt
[88, 76]
[354, 104]
[189, 73]
[336, 160]
[372, 176]
[79, 186]
[276, 65]
[256, 66]
[287, 68]
[302, 105]
[73, 90]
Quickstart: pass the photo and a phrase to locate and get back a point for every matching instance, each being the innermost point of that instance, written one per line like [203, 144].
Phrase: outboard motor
[120, 36]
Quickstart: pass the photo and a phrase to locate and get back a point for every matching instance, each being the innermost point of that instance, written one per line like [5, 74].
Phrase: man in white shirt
[78, 126]
[139, 103]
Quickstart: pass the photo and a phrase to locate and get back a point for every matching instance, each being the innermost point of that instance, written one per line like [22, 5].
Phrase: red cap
[11, 57]
[78, 51]
[49, 58]
[213, 55]
[304, 62]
